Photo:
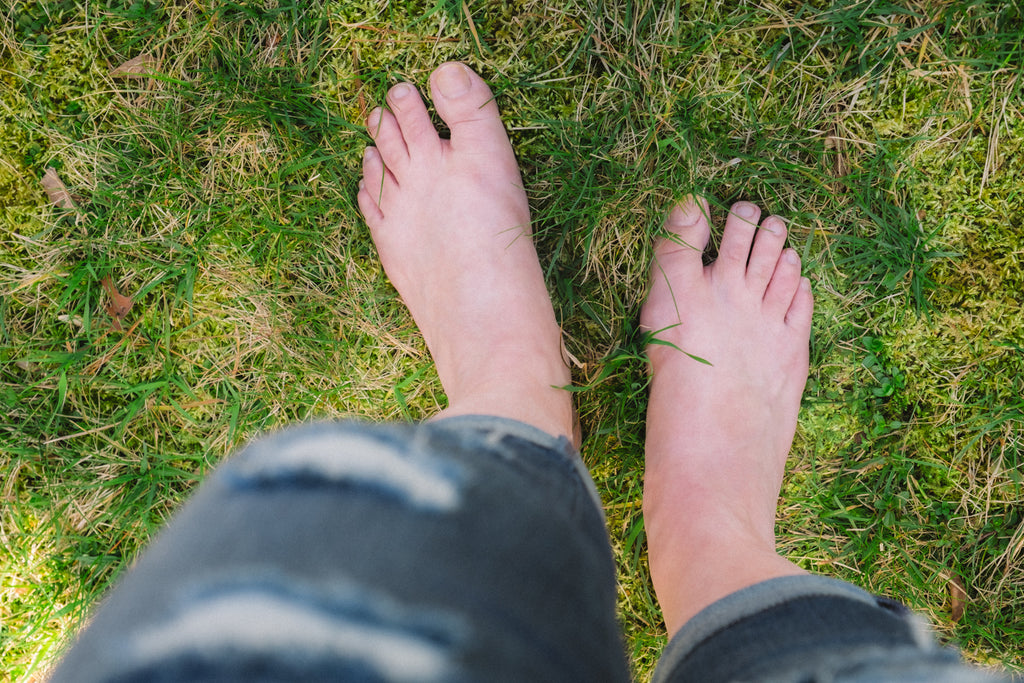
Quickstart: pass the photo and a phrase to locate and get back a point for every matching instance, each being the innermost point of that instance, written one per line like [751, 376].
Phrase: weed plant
[215, 191]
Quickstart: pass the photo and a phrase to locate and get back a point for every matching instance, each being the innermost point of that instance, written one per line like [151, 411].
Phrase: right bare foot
[719, 433]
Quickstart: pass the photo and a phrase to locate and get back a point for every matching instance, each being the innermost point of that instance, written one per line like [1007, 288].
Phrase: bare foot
[719, 433]
[452, 226]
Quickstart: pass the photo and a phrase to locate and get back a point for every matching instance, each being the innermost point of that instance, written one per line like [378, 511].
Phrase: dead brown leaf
[55, 190]
[360, 98]
[118, 304]
[957, 596]
[142, 66]
[273, 37]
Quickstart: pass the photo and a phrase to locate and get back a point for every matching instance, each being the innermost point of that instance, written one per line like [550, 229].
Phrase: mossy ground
[219, 195]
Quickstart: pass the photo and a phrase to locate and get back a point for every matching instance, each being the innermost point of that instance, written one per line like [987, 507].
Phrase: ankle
[698, 513]
[696, 564]
[548, 409]
[532, 391]
[683, 591]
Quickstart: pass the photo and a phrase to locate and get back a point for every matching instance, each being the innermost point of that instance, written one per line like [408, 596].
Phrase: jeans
[465, 549]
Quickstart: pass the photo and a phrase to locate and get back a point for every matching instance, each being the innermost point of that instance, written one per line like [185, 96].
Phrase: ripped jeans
[466, 549]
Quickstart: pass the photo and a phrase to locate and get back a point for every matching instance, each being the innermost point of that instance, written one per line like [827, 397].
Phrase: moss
[220, 196]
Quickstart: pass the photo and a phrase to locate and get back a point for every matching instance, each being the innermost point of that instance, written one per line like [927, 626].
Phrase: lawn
[193, 271]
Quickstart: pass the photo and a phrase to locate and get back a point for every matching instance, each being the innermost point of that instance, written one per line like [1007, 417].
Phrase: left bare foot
[452, 226]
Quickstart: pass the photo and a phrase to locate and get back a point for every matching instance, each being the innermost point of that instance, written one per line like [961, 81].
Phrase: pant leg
[808, 629]
[470, 548]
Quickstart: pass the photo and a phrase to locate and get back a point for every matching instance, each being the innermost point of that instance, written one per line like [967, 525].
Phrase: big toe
[678, 264]
[466, 104]
[679, 255]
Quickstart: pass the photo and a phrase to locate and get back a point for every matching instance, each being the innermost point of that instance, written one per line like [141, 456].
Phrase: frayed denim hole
[277, 620]
[348, 462]
[894, 606]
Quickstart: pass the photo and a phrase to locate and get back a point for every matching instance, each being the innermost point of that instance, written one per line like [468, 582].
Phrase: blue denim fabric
[463, 549]
[466, 549]
[803, 629]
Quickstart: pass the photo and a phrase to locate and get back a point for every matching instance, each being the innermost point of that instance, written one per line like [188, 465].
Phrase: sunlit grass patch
[217, 194]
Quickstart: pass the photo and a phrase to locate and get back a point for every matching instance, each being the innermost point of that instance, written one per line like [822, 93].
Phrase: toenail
[400, 91]
[373, 120]
[791, 257]
[745, 210]
[688, 212]
[452, 80]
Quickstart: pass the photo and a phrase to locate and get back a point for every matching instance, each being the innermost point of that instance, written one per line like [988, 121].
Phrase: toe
[801, 308]
[764, 255]
[737, 237]
[377, 183]
[387, 136]
[368, 205]
[688, 233]
[678, 267]
[410, 112]
[783, 285]
[466, 104]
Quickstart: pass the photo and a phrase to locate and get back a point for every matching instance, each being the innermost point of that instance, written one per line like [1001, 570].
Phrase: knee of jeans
[353, 457]
[275, 625]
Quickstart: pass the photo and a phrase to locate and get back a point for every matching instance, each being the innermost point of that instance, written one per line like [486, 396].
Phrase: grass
[218, 195]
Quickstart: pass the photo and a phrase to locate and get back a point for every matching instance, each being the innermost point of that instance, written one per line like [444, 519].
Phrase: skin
[452, 227]
[718, 435]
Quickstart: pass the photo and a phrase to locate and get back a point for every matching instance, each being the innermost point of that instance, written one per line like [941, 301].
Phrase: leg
[718, 433]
